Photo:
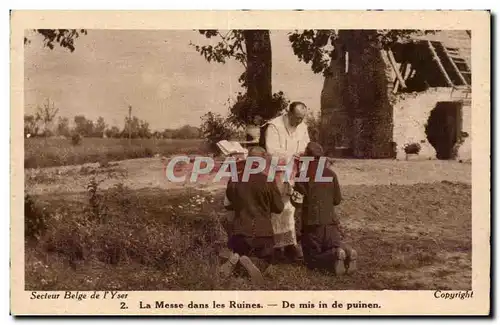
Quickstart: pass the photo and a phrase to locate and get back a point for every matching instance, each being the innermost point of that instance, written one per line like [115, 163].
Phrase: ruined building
[378, 100]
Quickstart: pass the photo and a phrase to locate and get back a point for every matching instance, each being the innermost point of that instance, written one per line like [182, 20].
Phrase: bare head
[314, 149]
[257, 120]
[298, 112]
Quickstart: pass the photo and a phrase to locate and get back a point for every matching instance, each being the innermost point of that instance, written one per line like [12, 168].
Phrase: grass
[51, 152]
[408, 237]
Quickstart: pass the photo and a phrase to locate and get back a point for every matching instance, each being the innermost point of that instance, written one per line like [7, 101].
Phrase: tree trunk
[259, 69]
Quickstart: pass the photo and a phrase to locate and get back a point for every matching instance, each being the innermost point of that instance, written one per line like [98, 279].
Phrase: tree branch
[229, 47]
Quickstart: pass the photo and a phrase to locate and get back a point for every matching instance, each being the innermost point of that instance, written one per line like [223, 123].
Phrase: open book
[229, 148]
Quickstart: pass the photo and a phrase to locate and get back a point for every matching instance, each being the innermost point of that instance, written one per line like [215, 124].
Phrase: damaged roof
[457, 39]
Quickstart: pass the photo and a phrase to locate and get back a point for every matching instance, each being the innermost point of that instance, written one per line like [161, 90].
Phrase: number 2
[123, 306]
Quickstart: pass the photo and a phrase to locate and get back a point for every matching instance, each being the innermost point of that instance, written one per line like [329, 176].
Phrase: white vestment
[284, 142]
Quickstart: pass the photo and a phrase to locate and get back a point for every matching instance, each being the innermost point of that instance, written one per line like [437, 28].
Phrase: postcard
[364, 188]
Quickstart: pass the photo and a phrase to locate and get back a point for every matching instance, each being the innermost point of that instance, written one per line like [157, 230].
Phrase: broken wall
[465, 150]
[359, 109]
[411, 114]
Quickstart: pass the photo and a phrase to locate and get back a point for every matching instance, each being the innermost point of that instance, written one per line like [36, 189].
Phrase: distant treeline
[43, 124]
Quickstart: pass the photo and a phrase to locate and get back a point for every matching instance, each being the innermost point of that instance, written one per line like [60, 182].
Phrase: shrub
[186, 132]
[412, 148]
[245, 109]
[76, 139]
[148, 152]
[121, 195]
[35, 218]
[70, 236]
[97, 209]
[162, 238]
[313, 122]
[104, 163]
[460, 141]
[216, 128]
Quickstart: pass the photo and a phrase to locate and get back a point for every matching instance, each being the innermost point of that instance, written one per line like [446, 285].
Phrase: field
[123, 226]
[49, 152]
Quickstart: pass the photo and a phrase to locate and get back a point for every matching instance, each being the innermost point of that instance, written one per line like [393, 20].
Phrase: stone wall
[465, 150]
[360, 111]
[411, 114]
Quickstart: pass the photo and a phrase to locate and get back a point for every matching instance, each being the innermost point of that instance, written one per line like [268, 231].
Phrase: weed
[412, 148]
[76, 139]
[156, 240]
[35, 218]
[97, 206]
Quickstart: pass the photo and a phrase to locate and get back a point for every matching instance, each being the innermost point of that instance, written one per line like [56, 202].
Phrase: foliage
[216, 128]
[166, 240]
[412, 148]
[313, 122]
[186, 132]
[99, 127]
[388, 37]
[60, 152]
[318, 47]
[83, 126]
[245, 109]
[252, 49]
[46, 115]
[315, 47]
[35, 218]
[87, 128]
[138, 128]
[97, 208]
[113, 132]
[65, 38]
[31, 125]
[124, 234]
[63, 128]
[460, 141]
[230, 46]
[76, 139]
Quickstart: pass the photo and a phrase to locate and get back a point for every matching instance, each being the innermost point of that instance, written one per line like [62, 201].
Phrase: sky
[158, 73]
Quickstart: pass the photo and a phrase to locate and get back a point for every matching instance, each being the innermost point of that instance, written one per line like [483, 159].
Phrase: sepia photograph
[221, 159]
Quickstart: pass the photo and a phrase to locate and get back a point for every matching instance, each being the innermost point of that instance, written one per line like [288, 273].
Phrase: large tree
[83, 126]
[252, 48]
[63, 127]
[259, 67]
[31, 125]
[99, 127]
[318, 46]
[46, 115]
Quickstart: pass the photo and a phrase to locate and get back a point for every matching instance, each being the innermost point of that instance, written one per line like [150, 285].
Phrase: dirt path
[149, 172]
